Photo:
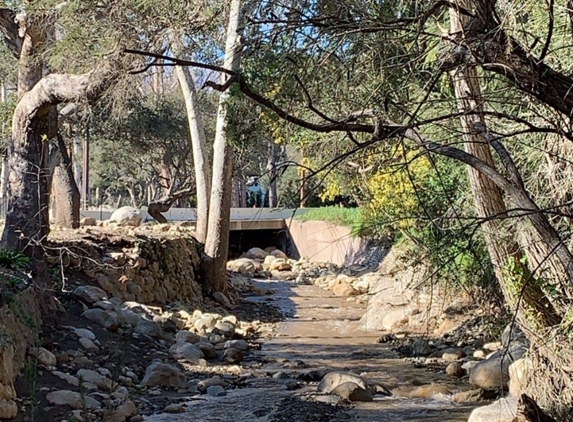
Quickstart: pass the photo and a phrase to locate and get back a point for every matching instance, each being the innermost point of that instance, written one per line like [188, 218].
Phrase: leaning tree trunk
[164, 204]
[488, 197]
[198, 146]
[217, 241]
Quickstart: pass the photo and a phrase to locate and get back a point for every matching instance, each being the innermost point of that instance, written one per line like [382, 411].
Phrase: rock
[90, 294]
[70, 379]
[88, 344]
[353, 392]
[455, 370]
[186, 351]
[362, 286]
[216, 391]
[421, 347]
[46, 358]
[209, 351]
[216, 338]
[333, 379]
[88, 222]
[174, 408]
[185, 336]
[237, 344]
[232, 355]
[206, 322]
[502, 410]
[470, 396]
[148, 328]
[8, 409]
[225, 329]
[84, 333]
[520, 372]
[222, 300]
[452, 354]
[242, 266]
[72, 399]
[428, 391]
[106, 319]
[164, 375]
[121, 393]
[87, 375]
[256, 253]
[216, 380]
[277, 253]
[343, 290]
[493, 373]
[126, 217]
[479, 354]
[124, 411]
[513, 333]
[268, 262]
[280, 265]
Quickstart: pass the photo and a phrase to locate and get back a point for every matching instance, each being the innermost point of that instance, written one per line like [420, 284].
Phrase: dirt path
[322, 331]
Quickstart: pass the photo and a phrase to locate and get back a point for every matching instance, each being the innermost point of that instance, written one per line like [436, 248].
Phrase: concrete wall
[322, 241]
[190, 214]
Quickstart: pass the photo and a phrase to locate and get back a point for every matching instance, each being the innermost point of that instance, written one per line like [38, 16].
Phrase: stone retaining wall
[143, 267]
[19, 324]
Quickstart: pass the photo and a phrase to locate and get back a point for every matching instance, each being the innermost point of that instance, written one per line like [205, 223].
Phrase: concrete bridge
[261, 227]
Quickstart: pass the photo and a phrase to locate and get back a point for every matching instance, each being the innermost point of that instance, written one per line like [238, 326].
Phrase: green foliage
[13, 260]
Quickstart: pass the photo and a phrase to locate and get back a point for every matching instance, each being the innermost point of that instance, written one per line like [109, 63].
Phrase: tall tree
[217, 241]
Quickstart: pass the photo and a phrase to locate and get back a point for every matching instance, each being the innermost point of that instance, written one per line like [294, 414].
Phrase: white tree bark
[217, 241]
[199, 148]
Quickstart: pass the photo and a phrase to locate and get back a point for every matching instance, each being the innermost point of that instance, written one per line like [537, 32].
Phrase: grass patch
[348, 217]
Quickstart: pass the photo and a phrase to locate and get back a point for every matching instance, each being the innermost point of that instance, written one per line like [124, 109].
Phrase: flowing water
[323, 331]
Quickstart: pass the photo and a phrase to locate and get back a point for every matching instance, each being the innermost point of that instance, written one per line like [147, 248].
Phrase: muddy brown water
[323, 331]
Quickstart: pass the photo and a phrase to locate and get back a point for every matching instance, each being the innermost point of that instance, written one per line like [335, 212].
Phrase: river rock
[216, 380]
[90, 294]
[164, 375]
[343, 289]
[502, 410]
[124, 411]
[421, 347]
[225, 329]
[186, 351]
[256, 253]
[455, 370]
[493, 372]
[126, 217]
[88, 344]
[353, 392]
[70, 379]
[277, 253]
[242, 266]
[209, 351]
[452, 354]
[237, 344]
[174, 408]
[106, 319]
[513, 333]
[520, 373]
[232, 355]
[280, 265]
[87, 375]
[46, 358]
[72, 399]
[222, 300]
[84, 333]
[185, 336]
[148, 328]
[333, 379]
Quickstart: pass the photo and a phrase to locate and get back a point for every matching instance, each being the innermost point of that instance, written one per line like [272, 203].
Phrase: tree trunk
[488, 197]
[198, 146]
[163, 204]
[217, 241]
[272, 171]
[66, 193]
[77, 156]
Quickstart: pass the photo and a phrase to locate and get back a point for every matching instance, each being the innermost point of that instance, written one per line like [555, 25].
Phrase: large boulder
[520, 373]
[353, 392]
[164, 375]
[127, 217]
[186, 351]
[256, 253]
[336, 378]
[242, 266]
[493, 373]
[502, 410]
